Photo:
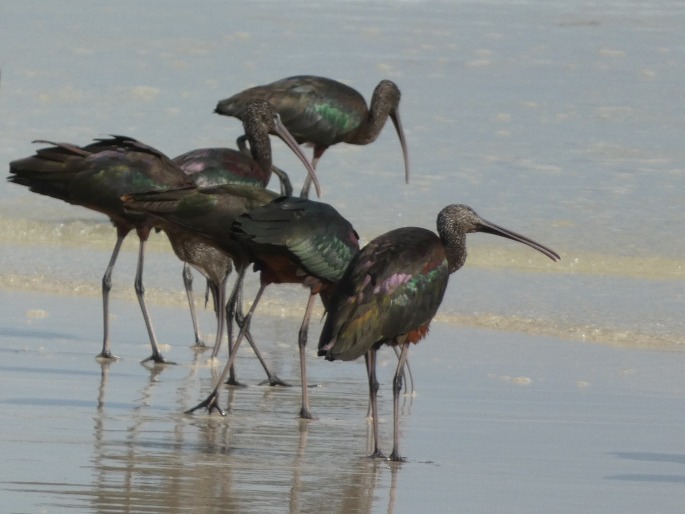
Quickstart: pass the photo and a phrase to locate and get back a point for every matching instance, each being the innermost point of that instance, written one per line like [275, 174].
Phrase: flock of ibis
[213, 205]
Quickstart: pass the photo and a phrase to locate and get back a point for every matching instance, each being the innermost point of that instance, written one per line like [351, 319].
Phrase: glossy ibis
[322, 112]
[209, 167]
[298, 241]
[215, 166]
[391, 291]
[96, 176]
[292, 240]
[205, 216]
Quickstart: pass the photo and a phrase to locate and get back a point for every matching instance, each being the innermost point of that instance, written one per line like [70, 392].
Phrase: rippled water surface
[559, 120]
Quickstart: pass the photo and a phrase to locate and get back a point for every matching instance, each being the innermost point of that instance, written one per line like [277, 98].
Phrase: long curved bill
[289, 140]
[395, 117]
[491, 228]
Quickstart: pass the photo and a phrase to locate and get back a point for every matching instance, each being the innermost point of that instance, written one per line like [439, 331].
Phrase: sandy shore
[501, 422]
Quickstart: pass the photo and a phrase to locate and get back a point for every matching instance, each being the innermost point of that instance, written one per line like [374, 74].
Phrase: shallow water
[500, 421]
[554, 119]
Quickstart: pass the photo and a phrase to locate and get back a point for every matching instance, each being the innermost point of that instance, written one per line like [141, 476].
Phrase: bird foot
[377, 454]
[234, 383]
[306, 413]
[157, 358]
[106, 356]
[199, 346]
[274, 381]
[211, 404]
[394, 457]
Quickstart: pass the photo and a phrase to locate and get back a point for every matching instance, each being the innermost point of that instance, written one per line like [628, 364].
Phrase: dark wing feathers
[97, 175]
[394, 286]
[313, 234]
[208, 212]
[315, 110]
[215, 166]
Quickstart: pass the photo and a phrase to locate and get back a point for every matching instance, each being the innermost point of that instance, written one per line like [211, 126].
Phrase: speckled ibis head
[457, 220]
[260, 119]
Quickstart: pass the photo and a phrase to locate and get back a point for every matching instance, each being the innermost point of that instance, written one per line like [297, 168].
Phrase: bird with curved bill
[321, 112]
[392, 290]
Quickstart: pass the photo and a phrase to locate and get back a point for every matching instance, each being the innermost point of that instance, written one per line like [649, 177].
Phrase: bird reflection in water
[149, 456]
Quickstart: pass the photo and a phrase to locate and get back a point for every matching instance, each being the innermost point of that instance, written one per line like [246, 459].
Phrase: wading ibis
[96, 176]
[391, 291]
[290, 240]
[208, 214]
[208, 167]
[322, 112]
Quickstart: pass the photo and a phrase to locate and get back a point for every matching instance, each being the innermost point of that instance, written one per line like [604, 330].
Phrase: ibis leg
[106, 352]
[271, 378]
[211, 403]
[188, 283]
[406, 372]
[230, 311]
[396, 390]
[156, 356]
[286, 185]
[233, 300]
[318, 152]
[219, 294]
[234, 310]
[370, 358]
[305, 413]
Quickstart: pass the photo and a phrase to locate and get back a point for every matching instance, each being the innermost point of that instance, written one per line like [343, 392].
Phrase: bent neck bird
[392, 290]
[199, 220]
[96, 176]
[215, 166]
[208, 167]
[322, 112]
[292, 240]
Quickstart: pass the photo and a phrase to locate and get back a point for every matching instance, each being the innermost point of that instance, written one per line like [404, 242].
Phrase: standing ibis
[208, 167]
[96, 176]
[205, 216]
[322, 112]
[298, 241]
[391, 291]
[290, 240]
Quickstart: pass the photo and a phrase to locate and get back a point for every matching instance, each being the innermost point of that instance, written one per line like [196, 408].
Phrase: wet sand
[501, 422]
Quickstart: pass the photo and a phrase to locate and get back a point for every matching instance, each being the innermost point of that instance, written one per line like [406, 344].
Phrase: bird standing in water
[298, 241]
[208, 167]
[322, 112]
[96, 176]
[290, 240]
[392, 290]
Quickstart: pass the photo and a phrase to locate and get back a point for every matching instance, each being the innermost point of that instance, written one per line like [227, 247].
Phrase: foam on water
[68, 257]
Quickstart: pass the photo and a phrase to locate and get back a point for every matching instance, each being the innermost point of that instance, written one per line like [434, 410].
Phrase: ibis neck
[369, 130]
[261, 153]
[384, 102]
[455, 249]
[374, 122]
